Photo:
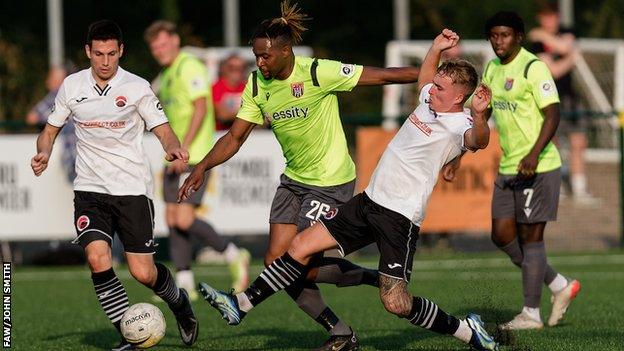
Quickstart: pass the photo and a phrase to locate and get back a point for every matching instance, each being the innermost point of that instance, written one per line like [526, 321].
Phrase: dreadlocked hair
[289, 27]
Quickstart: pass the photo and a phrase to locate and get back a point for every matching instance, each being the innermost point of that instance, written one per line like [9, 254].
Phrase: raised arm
[226, 147]
[45, 141]
[391, 75]
[478, 136]
[445, 40]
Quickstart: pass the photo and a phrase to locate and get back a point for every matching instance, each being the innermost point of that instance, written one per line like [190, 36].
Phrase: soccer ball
[143, 325]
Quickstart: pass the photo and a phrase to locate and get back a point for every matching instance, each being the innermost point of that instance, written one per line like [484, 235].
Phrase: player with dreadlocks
[297, 96]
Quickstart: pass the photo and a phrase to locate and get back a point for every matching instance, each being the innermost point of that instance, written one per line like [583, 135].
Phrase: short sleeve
[150, 109]
[424, 93]
[337, 76]
[249, 110]
[462, 128]
[195, 79]
[60, 110]
[542, 85]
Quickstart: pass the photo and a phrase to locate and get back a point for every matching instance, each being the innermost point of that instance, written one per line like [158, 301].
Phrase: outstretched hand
[192, 183]
[177, 154]
[445, 40]
[481, 98]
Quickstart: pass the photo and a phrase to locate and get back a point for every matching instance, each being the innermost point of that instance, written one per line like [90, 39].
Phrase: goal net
[595, 78]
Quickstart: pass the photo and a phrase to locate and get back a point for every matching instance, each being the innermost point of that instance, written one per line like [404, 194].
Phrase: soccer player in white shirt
[391, 209]
[113, 188]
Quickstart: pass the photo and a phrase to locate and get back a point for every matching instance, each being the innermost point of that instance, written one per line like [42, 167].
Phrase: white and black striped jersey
[110, 122]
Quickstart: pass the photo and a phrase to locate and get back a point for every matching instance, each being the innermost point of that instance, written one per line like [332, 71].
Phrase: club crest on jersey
[82, 223]
[509, 83]
[120, 101]
[297, 89]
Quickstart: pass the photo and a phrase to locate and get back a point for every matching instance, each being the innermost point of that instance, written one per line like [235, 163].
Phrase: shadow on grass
[102, 339]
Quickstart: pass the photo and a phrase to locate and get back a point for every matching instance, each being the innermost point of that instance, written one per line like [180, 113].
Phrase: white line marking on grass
[422, 268]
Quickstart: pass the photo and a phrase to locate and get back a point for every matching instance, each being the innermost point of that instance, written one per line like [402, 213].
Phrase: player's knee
[184, 223]
[99, 261]
[170, 216]
[298, 247]
[143, 275]
[396, 304]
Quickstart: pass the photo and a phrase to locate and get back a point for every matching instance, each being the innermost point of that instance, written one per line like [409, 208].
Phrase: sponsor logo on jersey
[81, 99]
[296, 89]
[159, 106]
[347, 70]
[293, 112]
[509, 83]
[82, 223]
[505, 105]
[103, 124]
[394, 265]
[420, 125]
[120, 101]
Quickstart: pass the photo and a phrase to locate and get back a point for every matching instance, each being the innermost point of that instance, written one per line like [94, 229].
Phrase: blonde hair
[461, 72]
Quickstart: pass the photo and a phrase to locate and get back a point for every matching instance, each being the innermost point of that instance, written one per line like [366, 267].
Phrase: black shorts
[99, 216]
[361, 221]
[302, 204]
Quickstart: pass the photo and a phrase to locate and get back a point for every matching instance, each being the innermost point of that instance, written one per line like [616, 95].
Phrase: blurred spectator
[38, 116]
[186, 98]
[556, 47]
[227, 91]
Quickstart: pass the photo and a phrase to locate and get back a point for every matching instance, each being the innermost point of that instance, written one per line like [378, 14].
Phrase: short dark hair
[104, 30]
[505, 18]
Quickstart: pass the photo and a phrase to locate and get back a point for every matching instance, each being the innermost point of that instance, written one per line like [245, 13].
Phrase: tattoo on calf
[395, 296]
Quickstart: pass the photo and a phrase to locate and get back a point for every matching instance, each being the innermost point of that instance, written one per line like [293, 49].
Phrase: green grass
[56, 309]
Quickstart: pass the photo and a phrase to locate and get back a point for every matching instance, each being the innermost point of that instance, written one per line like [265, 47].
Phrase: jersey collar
[112, 82]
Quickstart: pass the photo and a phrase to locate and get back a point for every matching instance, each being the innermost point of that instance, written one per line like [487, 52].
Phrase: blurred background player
[111, 109]
[38, 116]
[525, 106]
[391, 209]
[555, 46]
[228, 89]
[297, 96]
[185, 94]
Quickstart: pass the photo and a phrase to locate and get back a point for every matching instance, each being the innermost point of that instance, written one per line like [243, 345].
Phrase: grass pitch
[56, 308]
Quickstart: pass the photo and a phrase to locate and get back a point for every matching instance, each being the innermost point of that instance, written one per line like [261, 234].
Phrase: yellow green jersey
[304, 115]
[520, 90]
[183, 82]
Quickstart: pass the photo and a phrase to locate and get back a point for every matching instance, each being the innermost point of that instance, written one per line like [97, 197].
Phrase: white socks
[243, 302]
[230, 253]
[558, 284]
[578, 182]
[185, 279]
[532, 312]
[463, 333]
